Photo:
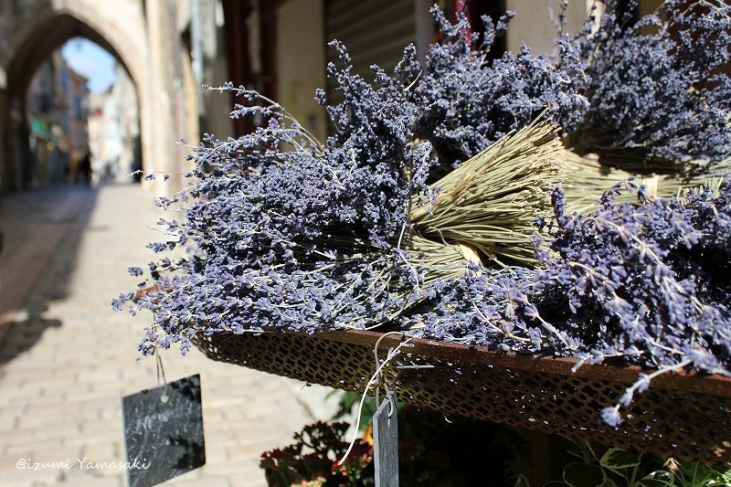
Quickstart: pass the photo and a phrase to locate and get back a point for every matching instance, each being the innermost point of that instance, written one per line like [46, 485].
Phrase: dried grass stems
[484, 210]
[586, 178]
[486, 206]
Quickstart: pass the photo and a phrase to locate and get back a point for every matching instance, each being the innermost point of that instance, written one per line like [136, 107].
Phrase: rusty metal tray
[685, 416]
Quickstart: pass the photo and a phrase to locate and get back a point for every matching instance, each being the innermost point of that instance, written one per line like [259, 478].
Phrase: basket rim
[691, 381]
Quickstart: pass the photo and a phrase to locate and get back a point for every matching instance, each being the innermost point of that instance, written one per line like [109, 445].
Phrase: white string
[161, 371]
[373, 380]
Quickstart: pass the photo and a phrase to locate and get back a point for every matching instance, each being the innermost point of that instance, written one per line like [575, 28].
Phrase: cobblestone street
[67, 359]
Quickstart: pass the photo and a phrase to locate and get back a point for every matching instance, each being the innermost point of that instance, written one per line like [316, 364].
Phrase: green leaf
[596, 449]
[701, 474]
[617, 458]
[582, 475]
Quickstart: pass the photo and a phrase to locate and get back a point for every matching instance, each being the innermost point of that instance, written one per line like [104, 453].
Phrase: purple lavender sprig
[643, 283]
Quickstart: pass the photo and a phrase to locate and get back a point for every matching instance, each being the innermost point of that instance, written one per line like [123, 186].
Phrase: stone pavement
[66, 359]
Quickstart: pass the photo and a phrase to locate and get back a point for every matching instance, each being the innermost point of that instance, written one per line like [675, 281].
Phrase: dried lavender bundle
[644, 284]
[467, 102]
[658, 90]
[287, 233]
[488, 202]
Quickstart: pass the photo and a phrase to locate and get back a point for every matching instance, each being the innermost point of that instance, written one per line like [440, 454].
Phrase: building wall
[41, 114]
[114, 130]
[76, 97]
[533, 24]
[208, 67]
[301, 62]
[146, 37]
[55, 117]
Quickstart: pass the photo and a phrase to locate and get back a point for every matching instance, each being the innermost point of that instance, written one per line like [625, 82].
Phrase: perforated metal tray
[685, 416]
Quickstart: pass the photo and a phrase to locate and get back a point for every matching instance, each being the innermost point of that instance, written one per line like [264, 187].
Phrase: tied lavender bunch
[293, 235]
[375, 138]
[642, 284]
[468, 102]
[288, 233]
[658, 90]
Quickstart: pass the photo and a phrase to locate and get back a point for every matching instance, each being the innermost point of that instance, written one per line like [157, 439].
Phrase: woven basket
[684, 416]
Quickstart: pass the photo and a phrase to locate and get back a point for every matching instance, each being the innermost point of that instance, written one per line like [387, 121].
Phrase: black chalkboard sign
[385, 442]
[163, 431]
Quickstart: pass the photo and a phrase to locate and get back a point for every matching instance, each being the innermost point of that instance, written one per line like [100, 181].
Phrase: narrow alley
[67, 359]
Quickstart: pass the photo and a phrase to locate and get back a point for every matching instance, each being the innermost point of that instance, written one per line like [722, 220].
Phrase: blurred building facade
[42, 114]
[168, 49]
[114, 130]
[56, 112]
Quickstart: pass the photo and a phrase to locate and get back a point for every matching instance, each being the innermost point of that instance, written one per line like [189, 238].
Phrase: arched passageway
[31, 37]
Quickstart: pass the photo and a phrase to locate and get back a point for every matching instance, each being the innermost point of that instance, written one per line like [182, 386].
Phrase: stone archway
[30, 35]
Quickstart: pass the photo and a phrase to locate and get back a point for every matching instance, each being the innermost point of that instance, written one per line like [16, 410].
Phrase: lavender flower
[657, 87]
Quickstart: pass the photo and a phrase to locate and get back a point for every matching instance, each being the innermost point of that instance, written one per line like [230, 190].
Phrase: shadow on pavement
[42, 230]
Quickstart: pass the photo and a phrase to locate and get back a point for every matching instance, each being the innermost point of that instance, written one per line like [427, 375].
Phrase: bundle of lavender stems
[527, 204]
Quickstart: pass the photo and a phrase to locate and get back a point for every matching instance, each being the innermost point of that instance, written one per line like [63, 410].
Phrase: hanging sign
[163, 431]
[385, 442]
